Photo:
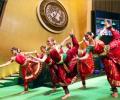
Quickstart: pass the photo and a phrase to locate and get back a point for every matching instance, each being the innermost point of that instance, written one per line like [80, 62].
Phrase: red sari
[112, 61]
[52, 68]
[61, 74]
[72, 53]
[29, 69]
[86, 67]
[114, 52]
[68, 60]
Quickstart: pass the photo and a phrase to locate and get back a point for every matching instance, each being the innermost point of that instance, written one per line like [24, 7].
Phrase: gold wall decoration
[52, 15]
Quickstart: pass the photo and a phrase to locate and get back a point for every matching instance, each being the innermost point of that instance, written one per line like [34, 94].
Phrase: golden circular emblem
[52, 15]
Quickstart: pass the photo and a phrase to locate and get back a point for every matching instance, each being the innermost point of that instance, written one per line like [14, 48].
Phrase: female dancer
[44, 57]
[112, 60]
[95, 46]
[60, 59]
[85, 66]
[26, 63]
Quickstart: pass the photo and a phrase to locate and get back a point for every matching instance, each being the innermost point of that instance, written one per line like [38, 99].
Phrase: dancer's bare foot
[84, 87]
[115, 94]
[66, 96]
[54, 89]
[24, 92]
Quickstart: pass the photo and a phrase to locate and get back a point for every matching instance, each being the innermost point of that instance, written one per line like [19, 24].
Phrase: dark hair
[68, 43]
[42, 47]
[109, 21]
[14, 48]
[51, 38]
[90, 33]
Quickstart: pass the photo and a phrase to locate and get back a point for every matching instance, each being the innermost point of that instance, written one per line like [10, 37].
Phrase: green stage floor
[97, 89]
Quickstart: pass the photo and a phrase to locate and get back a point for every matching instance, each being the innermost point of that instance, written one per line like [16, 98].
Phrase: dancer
[60, 58]
[61, 71]
[86, 66]
[86, 60]
[44, 57]
[112, 60]
[26, 63]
